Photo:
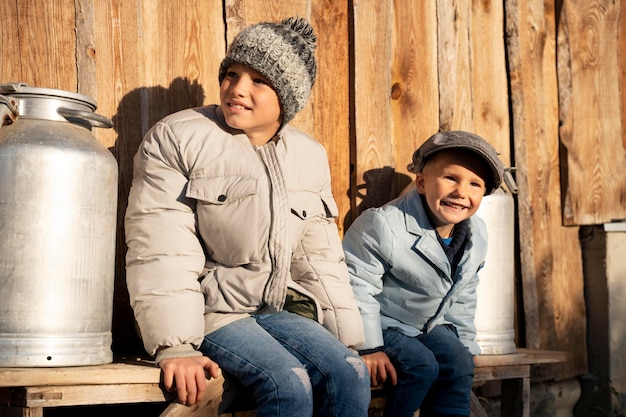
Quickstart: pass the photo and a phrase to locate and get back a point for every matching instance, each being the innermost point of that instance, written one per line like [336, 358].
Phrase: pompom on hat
[284, 53]
[461, 140]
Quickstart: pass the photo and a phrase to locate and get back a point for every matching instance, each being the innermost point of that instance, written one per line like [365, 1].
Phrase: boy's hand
[380, 368]
[187, 377]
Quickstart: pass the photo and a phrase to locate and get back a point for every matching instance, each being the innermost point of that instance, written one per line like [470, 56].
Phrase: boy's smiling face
[249, 103]
[453, 184]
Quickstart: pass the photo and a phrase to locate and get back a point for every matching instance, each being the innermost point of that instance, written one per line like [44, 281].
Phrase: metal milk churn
[495, 323]
[58, 198]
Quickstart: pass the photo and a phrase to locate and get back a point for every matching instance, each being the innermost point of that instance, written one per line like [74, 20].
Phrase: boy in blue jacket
[413, 267]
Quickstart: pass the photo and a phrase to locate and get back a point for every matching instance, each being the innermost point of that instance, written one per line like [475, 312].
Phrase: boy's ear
[419, 182]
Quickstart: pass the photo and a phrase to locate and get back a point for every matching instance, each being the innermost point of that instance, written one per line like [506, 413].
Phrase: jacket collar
[426, 238]
[415, 214]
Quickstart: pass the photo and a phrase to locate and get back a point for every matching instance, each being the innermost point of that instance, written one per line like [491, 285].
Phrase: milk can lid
[56, 105]
[22, 89]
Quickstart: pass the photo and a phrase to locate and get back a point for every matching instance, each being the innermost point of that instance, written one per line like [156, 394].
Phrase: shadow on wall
[136, 113]
[380, 186]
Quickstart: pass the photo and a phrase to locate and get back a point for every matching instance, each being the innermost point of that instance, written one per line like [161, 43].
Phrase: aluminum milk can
[58, 198]
[495, 312]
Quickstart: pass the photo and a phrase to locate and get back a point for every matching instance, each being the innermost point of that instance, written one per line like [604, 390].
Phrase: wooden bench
[26, 392]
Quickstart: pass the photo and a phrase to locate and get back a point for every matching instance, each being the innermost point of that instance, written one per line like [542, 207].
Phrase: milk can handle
[8, 110]
[95, 120]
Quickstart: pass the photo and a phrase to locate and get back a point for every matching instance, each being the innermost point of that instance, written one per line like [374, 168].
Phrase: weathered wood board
[591, 112]
[551, 263]
[473, 92]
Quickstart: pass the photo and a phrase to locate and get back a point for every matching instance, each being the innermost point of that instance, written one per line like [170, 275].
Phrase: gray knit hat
[284, 53]
[461, 140]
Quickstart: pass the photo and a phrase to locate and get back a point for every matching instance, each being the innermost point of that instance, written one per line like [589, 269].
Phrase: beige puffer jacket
[197, 229]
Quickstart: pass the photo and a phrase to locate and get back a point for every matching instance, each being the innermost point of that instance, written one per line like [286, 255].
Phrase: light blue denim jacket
[402, 278]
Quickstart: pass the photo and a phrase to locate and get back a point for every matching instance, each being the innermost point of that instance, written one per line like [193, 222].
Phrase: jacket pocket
[227, 215]
[305, 206]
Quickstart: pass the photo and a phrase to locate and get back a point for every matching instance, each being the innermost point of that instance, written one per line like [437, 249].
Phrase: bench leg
[515, 397]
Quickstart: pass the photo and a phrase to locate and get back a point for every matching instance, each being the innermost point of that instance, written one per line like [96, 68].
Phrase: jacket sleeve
[164, 257]
[319, 267]
[366, 258]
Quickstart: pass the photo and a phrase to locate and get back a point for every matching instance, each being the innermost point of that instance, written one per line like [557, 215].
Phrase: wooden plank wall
[389, 75]
[551, 266]
[621, 58]
[154, 58]
[589, 49]
[38, 43]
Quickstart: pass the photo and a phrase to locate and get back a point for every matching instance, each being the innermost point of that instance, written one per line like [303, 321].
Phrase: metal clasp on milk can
[58, 215]
[8, 110]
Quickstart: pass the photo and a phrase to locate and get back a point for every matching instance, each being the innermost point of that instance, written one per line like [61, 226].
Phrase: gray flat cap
[460, 140]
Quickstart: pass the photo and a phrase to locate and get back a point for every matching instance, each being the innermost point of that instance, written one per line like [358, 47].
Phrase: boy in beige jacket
[234, 258]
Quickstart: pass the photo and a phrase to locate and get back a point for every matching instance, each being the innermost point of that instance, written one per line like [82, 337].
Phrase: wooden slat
[38, 43]
[621, 57]
[551, 265]
[538, 356]
[114, 373]
[454, 55]
[87, 82]
[372, 82]
[330, 97]
[496, 373]
[241, 13]
[73, 395]
[473, 90]
[490, 99]
[414, 84]
[594, 184]
[9, 44]
[499, 360]
[522, 357]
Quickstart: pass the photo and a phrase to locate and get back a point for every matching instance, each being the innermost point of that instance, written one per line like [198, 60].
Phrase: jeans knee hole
[358, 365]
[303, 376]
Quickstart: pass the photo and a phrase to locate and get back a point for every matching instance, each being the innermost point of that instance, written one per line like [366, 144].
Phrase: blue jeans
[435, 374]
[293, 366]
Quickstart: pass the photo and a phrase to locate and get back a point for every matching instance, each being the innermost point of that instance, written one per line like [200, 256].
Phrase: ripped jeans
[293, 366]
